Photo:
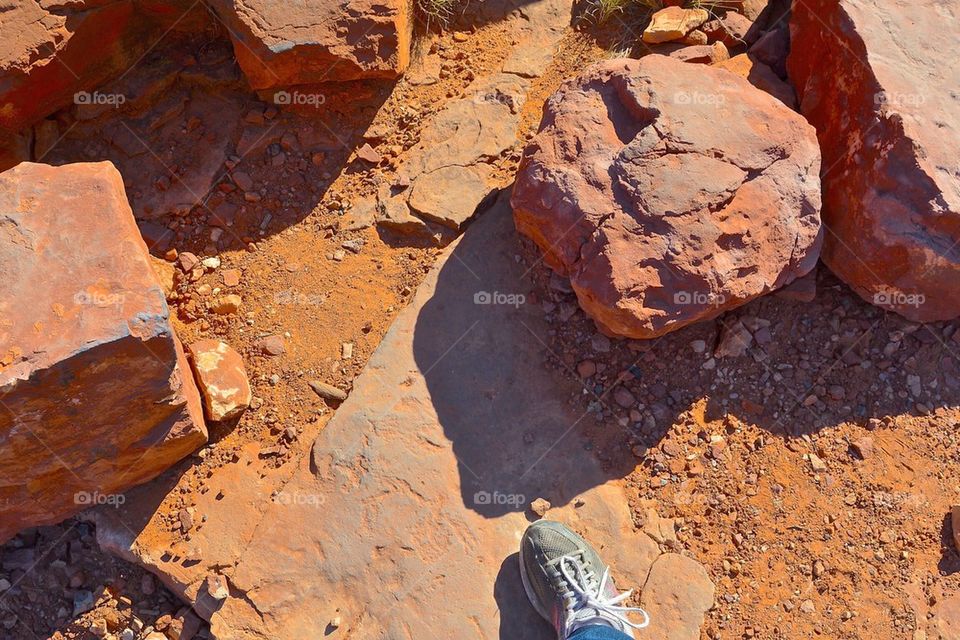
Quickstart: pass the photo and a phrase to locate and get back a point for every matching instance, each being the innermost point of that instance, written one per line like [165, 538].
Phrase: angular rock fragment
[222, 379]
[96, 393]
[279, 44]
[55, 53]
[673, 23]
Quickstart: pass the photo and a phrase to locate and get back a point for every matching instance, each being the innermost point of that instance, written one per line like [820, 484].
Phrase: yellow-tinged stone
[673, 23]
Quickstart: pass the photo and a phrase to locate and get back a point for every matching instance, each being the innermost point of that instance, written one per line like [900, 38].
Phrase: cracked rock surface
[669, 193]
[80, 309]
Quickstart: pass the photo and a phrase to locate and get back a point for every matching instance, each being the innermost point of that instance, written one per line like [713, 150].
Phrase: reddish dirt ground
[853, 542]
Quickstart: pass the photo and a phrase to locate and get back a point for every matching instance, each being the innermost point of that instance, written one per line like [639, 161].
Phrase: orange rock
[669, 193]
[761, 76]
[96, 392]
[62, 48]
[279, 44]
[222, 379]
[878, 81]
[673, 23]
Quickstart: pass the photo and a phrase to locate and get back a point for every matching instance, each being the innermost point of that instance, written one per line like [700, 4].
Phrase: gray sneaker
[568, 584]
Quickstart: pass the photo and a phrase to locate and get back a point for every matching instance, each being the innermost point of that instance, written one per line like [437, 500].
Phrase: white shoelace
[585, 600]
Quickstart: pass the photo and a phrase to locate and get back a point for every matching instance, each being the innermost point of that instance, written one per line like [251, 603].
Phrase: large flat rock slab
[95, 393]
[405, 519]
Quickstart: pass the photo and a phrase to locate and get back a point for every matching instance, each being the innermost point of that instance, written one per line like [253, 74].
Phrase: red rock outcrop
[95, 392]
[311, 41]
[669, 193]
[65, 47]
[56, 48]
[878, 80]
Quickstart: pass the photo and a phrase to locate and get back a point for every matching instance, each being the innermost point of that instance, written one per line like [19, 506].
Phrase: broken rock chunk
[222, 379]
[659, 217]
[89, 362]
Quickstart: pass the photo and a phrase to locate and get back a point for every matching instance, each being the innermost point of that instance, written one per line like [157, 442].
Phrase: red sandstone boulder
[669, 193]
[879, 80]
[311, 41]
[53, 49]
[95, 393]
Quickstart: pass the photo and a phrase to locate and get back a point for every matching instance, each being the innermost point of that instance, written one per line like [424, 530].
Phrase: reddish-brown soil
[860, 547]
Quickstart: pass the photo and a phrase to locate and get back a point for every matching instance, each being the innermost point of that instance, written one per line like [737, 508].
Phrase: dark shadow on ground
[208, 164]
[950, 559]
[476, 14]
[51, 568]
[480, 343]
[521, 431]
[812, 364]
[518, 619]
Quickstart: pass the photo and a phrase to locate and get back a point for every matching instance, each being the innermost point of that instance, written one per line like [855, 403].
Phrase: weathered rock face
[311, 41]
[61, 48]
[96, 393]
[669, 193]
[65, 47]
[449, 169]
[761, 76]
[878, 81]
